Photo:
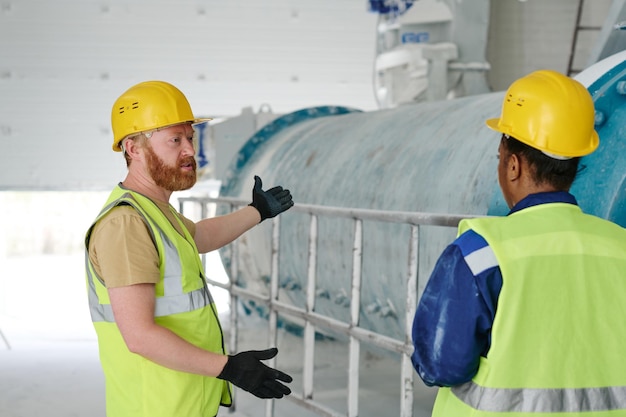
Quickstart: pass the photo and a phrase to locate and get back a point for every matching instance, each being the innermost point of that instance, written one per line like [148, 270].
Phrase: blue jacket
[452, 324]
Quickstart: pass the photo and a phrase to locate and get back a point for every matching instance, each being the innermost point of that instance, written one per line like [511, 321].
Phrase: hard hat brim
[594, 141]
[494, 124]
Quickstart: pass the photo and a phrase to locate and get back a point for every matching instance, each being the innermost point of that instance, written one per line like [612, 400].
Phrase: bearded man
[160, 341]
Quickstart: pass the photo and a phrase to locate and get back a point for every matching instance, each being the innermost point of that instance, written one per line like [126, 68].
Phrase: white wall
[64, 62]
[525, 36]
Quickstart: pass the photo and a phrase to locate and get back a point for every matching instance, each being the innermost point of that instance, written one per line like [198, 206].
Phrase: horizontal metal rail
[408, 217]
[312, 319]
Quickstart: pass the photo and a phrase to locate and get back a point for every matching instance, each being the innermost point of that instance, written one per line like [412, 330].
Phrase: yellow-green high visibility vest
[135, 386]
[559, 334]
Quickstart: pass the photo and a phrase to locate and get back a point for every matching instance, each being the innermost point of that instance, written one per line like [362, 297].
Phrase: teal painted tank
[435, 157]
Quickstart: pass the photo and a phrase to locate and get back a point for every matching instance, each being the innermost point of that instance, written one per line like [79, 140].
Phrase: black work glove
[246, 371]
[272, 202]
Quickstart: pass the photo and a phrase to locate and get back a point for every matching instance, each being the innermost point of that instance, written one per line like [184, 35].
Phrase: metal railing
[312, 319]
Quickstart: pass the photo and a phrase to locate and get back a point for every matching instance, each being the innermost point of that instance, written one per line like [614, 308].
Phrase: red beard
[171, 178]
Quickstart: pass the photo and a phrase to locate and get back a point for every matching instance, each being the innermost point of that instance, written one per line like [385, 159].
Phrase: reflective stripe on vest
[174, 299]
[535, 400]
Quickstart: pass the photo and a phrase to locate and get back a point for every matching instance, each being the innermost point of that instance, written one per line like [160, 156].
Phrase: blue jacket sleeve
[452, 324]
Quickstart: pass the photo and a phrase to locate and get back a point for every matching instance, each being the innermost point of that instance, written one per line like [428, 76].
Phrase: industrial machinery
[429, 50]
[433, 157]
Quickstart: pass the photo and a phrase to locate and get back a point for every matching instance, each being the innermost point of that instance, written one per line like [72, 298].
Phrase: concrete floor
[56, 376]
[52, 368]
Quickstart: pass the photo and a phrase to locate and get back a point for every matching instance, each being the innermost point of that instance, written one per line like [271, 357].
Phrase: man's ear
[132, 147]
[513, 167]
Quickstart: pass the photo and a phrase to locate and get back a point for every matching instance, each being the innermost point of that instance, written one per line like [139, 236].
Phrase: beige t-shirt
[121, 249]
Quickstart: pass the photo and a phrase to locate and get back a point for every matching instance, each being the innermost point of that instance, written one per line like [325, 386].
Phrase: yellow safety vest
[559, 333]
[135, 386]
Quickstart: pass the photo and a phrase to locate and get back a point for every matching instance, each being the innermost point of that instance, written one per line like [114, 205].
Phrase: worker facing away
[524, 314]
[160, 340]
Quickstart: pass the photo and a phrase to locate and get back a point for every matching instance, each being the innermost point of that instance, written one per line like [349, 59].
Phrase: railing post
[355, 311]
[309, 328]
[232, 283]
[407, 373]
[273, 315]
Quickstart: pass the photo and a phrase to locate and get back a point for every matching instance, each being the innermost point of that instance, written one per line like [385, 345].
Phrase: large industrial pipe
[436, 157]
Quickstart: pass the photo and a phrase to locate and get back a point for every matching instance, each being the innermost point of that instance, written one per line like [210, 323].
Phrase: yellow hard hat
[147, 106]
[550, 112]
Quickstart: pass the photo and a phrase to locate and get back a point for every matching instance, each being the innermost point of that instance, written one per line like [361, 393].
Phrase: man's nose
[188, 148]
